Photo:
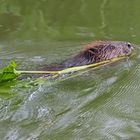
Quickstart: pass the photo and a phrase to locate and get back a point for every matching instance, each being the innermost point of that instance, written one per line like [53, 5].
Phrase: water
[100, 104]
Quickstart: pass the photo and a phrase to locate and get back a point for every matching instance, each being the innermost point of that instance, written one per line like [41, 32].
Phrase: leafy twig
[9, 73]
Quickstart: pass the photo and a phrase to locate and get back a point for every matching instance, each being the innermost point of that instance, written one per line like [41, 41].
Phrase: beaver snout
[130, 46]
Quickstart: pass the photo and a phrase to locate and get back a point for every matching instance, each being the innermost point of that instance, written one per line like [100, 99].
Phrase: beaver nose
[132, 48]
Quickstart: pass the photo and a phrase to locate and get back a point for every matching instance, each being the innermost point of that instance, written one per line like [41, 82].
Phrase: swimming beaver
[95, 52]
[99, 51]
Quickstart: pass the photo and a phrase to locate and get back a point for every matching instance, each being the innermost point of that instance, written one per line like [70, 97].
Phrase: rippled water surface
[96, 104]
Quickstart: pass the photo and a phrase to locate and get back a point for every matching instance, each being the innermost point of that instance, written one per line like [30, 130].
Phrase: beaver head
[99, 51]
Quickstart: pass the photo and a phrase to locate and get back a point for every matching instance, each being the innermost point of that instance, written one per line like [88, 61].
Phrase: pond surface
[99, 104]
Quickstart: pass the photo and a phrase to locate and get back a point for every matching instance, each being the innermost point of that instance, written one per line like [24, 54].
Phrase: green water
[101, 104]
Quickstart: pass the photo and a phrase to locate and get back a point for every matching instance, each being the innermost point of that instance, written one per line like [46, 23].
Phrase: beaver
[92, 53]
[99, 51]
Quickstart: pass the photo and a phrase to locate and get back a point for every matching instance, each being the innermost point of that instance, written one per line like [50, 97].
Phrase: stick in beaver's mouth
[74, 69]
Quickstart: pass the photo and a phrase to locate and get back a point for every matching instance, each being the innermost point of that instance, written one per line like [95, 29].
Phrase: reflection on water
[80, 19]
[96, 104]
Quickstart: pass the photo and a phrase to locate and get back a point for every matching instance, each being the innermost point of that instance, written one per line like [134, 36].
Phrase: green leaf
[9, 73]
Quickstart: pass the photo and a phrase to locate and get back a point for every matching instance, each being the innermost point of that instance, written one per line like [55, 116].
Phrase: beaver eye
[129, 45]
[111, 47]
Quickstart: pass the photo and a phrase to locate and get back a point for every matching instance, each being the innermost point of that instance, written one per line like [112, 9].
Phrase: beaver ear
[93, 50]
